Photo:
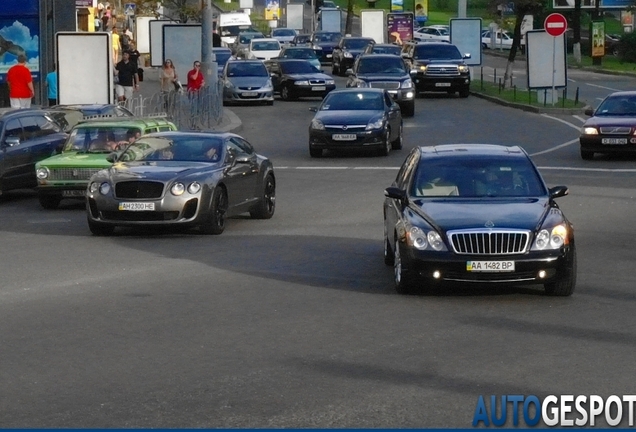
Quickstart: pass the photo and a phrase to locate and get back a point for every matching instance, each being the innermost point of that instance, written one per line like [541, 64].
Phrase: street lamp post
[208, 59]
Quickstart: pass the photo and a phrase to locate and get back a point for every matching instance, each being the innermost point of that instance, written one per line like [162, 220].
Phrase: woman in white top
[168, 76]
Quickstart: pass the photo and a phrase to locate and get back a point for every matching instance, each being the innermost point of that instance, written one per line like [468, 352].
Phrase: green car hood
[75, 160]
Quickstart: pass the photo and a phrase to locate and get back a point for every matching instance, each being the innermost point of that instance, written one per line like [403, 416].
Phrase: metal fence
[202, 110]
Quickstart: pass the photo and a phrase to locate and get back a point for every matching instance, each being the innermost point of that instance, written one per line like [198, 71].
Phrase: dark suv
[26, 136]
[346, 52]
[437, 67]
[385, 71]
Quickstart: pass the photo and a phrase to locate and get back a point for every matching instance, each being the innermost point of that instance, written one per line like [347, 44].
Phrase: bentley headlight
[303, 82]
[94, 187]
[376, 124]
[194, 187]
[317, 124]
[551, 239]
[42, 173]
[407, 84]
[435, 240]
[417, 238]
[330, 82]
[348, 55]
[590, 131]
[462, 68]
[177, 189]
[104, 188]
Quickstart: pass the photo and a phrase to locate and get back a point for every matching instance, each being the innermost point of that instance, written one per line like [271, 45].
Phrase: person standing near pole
[51, 86]
[20, 84]
[195, 78]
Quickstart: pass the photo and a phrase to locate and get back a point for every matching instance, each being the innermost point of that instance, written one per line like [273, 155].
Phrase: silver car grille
[444, 70]
[616, 130]
[390, 85]
[72, 173]
[317, 81]
[489, 242]
[346, 128]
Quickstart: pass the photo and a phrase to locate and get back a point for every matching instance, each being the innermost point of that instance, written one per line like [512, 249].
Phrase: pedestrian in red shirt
[20, 84]
[195, 78]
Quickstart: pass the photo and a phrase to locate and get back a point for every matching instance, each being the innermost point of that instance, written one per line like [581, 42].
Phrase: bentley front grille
[139, 189]
[489, 242]
[72, 173]
[616, 130]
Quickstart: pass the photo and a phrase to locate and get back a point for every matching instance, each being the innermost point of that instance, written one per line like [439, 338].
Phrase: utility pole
[461, 8]
[208, 59]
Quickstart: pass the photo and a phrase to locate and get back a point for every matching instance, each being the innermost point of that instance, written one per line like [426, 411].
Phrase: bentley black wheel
[267, 204]
[215, 224]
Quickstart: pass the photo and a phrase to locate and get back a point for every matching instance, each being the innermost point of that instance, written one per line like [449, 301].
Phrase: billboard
[591, 4]
[19, 34]
[373, 24]
[90, 54]
[182, 45]
[466, 36]
[399, 27]
[547, 65]
[421, 11]
[156, 41]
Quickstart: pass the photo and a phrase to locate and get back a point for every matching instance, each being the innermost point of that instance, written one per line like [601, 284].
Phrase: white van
[230, 24]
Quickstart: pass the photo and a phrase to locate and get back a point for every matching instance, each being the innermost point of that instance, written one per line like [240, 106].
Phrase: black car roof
[472, 150]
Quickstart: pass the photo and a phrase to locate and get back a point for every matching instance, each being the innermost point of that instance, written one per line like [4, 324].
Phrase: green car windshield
[182, 149]
[100, 139]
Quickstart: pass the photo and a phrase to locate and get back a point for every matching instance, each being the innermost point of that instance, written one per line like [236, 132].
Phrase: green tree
[180, 10]
[522, 8]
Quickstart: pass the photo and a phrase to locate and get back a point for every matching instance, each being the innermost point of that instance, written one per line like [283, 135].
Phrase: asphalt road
[293, 321]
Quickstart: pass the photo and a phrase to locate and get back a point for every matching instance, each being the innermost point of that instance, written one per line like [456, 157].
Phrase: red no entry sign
[555, 24]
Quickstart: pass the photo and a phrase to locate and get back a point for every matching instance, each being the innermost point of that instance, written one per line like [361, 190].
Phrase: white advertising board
[545, 54]
[330, 20]
[142, 33]
[156, 41]
[373, 23]
[84, 68]
[182, 45]
[246, 4]
[295, 16]
[466, 36]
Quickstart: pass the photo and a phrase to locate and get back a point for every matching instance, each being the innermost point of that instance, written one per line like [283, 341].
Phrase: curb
[235, 124]
[529, 108]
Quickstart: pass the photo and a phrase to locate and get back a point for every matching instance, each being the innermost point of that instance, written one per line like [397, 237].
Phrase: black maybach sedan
[476, 213]
[187, 179]
[611, 128]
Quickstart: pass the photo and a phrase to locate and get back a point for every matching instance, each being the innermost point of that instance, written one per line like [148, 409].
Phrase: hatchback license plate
[442, 84]
[614, 140]
[73, 193]
[249, 94]
[131, 206]
[319, 88]
[490, 266]
[344, 137]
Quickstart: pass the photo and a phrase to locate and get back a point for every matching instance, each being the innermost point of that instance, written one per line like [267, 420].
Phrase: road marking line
[46, 221]
[603, 87]
[551, 149]
[578, 128]
[579, 118]
[617, 170]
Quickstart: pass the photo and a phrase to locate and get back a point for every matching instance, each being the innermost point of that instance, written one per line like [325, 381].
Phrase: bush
[627, 48]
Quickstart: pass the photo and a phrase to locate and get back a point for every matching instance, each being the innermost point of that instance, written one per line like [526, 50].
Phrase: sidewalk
[150, 86]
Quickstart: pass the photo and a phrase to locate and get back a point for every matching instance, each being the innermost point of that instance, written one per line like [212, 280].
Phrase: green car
[66, 175]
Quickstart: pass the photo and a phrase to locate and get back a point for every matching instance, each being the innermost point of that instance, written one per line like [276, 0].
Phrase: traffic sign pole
[555, 25]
